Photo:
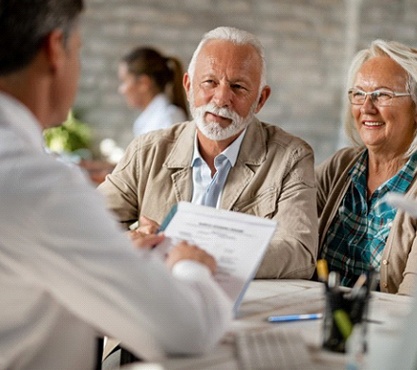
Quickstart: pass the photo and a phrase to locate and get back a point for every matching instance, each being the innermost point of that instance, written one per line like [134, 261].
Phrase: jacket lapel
[179, 161]
[251, 155]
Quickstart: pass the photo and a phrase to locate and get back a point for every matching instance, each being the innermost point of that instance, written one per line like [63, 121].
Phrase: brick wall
[308, 44]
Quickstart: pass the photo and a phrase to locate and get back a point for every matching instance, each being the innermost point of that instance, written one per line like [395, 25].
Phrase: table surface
[281, 297]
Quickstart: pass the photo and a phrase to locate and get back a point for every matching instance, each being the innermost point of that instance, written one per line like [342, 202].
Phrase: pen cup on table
[343, 311]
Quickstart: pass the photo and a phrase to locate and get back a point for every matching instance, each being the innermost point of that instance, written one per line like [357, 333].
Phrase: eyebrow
[378, 88]
[239, 80]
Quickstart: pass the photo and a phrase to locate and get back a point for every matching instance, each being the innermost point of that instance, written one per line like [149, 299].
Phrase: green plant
[70, 137]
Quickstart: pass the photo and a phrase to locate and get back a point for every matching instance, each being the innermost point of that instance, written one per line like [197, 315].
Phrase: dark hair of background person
[24, 24]
[166, 72]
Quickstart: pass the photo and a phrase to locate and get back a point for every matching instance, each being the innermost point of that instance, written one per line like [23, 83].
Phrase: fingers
[145, 235]
[145, 241]
[185, 251]
[147, 226]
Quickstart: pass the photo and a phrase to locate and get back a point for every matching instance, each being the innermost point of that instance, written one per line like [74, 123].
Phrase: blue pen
[288, 318]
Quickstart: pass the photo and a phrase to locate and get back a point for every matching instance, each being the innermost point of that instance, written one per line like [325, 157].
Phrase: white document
[236, 240]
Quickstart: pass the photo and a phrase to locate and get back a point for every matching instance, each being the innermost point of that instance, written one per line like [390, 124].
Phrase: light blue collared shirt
[201, 171]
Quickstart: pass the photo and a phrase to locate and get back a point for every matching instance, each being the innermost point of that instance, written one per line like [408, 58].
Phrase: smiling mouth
[372, 124]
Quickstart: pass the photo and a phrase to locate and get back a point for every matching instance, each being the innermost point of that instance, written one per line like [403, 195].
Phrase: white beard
[213, 130]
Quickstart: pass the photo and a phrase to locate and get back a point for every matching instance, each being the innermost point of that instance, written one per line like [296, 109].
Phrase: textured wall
[308, 44]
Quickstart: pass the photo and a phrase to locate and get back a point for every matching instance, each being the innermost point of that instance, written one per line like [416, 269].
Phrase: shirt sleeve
[89, 265]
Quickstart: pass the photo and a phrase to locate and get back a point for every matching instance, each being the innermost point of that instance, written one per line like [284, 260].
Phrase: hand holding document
[236, 240]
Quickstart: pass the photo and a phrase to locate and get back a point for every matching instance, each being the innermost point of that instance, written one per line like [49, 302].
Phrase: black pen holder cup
[342, 312]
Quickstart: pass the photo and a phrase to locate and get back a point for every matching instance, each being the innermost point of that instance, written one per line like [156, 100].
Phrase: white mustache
[223, 112]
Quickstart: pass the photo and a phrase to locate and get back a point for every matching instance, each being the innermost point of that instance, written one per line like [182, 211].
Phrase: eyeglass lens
[378, 97]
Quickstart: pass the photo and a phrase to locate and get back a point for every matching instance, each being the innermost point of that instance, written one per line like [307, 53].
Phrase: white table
[279, 297]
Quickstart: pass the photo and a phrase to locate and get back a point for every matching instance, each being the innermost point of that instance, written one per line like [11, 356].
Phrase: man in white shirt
[67, 273]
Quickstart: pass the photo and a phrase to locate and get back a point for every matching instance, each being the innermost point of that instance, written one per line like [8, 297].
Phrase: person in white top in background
[67, 272]
[152, 83]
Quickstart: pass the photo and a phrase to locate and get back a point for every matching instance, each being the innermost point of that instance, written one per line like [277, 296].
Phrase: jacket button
[385, 262]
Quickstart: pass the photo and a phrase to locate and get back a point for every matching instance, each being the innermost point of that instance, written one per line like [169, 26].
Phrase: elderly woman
[357, 229]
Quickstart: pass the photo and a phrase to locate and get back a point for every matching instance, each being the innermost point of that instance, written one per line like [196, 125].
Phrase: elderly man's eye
[208, 83]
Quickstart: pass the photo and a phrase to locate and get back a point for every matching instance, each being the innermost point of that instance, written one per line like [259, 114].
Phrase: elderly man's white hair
[236, 36]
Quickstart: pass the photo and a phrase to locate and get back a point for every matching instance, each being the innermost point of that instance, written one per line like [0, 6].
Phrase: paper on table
[398, 200]
[236, 240]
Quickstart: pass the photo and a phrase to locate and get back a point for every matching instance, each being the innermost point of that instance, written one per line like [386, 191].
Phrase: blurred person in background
[152, 83]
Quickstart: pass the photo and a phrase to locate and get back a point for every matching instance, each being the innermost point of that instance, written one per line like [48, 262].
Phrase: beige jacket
[273, 178]
[399, 258]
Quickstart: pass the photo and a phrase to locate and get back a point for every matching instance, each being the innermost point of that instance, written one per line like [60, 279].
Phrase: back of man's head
[24, 24]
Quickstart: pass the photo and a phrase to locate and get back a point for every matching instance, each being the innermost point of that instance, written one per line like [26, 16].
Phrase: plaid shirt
[357, 235]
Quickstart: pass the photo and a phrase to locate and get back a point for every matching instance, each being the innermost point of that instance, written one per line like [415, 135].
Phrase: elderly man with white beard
[265, 171]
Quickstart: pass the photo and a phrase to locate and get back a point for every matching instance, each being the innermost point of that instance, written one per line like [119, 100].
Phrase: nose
[223, 95]
[368, 105]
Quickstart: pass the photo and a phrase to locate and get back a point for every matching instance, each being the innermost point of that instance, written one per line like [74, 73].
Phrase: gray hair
[406, 57]
[236, 36]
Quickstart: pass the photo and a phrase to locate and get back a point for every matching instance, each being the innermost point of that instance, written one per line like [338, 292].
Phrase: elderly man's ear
[266, 92]
[186, 82]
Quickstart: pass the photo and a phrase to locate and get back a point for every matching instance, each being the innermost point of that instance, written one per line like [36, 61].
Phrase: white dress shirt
[68, 274]
[202, 179]
[159, 113]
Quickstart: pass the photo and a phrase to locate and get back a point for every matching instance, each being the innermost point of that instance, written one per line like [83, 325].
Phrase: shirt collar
[358, 173]
[231, 152]
[400, 182]
[20, 118]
